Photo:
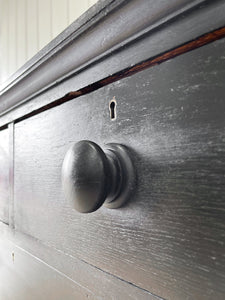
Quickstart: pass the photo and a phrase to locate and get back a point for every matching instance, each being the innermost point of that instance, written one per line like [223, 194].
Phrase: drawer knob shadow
[92, 177]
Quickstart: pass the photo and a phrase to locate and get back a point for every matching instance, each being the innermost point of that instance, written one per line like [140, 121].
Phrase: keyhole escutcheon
[112, 109]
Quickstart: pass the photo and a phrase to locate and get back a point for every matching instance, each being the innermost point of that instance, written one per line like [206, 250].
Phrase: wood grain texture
[4, 176]
[189, 46]
[88, 279]
[107, 40]
[25, 277]
[170, 238]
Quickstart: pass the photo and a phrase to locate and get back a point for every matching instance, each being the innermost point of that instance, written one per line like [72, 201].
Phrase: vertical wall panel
[12, 50]
[60, 19]
[21, 33]
[32, 28]
[76, 8]
[26, 26]
[44, 22]
[4, 40]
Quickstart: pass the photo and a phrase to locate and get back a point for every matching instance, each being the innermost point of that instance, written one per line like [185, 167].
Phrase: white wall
[26, 26]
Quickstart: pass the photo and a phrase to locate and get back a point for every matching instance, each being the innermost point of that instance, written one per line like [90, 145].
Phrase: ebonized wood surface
[25, 277]
[170, 237]
[112, 36]
[77, 279]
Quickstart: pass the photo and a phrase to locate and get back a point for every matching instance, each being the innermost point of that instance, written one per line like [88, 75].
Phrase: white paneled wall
[26, 26]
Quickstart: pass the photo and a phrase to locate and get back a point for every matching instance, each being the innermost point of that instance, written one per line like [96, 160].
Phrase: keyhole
[112, 108]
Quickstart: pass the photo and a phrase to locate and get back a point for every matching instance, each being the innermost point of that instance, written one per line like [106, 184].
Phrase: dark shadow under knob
[91, 176]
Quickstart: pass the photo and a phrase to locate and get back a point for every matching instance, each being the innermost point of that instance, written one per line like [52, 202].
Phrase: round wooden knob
[91, 176]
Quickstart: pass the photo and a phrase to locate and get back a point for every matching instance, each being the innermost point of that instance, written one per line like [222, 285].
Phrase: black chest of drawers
[166, 80]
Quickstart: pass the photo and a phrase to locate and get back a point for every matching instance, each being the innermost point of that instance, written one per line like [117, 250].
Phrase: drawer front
[25, 277]
[169, 238]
